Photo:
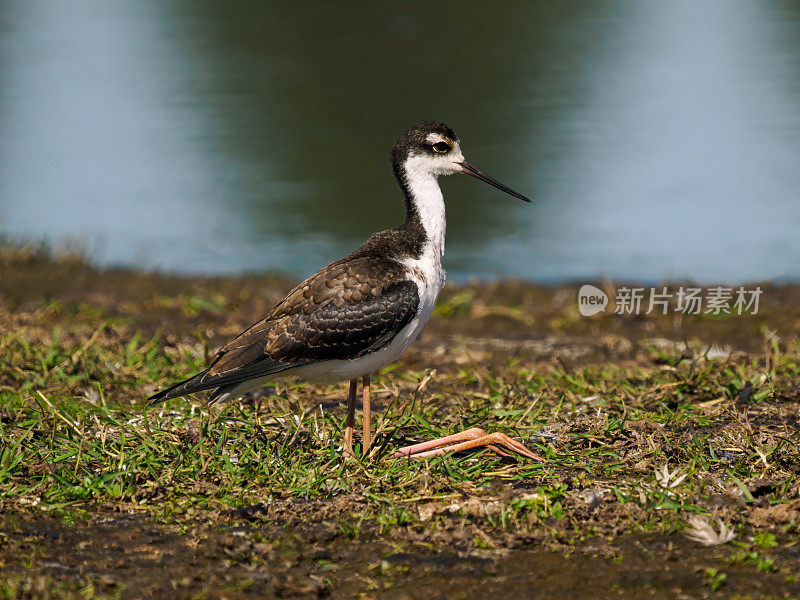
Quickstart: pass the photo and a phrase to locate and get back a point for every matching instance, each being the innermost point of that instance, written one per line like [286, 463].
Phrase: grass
[74, 433]
[639, 432]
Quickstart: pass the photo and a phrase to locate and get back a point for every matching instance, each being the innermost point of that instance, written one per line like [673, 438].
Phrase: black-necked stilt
[361, 312]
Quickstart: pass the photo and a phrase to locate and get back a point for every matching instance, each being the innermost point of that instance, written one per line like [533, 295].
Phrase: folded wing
[343, 312]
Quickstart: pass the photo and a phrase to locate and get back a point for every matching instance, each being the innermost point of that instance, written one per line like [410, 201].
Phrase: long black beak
[478, 174]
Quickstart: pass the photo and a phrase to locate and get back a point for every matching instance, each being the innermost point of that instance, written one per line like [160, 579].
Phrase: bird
[362, 311]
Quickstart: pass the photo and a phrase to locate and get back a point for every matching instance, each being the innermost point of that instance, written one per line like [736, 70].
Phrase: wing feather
[343, 312]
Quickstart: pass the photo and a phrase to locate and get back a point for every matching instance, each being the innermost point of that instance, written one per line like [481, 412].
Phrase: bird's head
[432, 148]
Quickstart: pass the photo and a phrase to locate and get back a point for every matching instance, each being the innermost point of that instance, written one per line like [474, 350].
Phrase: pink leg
[466, 440]
[366, 437]
[351, 416]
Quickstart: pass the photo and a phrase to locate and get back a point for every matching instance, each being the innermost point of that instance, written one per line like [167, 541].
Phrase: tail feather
[221, 394]
[224, 382]
[176, 390]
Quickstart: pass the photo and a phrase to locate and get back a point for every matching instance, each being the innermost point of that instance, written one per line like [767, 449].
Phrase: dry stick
[57, 413]
[527, 412]
[303, 415]
[89, 343]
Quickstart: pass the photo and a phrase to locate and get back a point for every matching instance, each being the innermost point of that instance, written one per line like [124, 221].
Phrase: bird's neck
[424, 205]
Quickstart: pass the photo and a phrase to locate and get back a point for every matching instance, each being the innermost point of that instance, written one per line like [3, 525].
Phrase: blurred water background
[657, 139]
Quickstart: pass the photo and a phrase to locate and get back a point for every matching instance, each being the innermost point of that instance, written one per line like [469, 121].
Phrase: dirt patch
[130, 556]
[787, 513]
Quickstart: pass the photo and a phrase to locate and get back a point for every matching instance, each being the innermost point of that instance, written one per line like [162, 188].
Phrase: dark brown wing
[344, 311]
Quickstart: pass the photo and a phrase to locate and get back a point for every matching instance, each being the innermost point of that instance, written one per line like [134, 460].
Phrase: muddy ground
[134, 557]
[102, 499]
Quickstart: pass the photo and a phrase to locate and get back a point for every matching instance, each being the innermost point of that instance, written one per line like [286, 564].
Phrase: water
[657, 139]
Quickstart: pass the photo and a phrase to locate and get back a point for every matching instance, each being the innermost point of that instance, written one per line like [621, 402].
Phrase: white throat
[423, 186]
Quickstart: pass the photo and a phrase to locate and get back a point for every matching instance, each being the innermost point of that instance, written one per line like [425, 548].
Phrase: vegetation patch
[658, 444]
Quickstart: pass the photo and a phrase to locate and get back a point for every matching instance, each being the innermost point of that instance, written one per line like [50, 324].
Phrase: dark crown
[414, 140]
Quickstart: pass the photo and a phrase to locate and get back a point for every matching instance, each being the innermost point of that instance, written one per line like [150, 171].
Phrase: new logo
[591, 300]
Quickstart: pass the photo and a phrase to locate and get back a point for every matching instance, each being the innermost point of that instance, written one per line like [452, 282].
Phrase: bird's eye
[442, 147]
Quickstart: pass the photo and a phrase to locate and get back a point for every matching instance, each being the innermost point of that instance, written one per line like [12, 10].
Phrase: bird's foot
[466, 440]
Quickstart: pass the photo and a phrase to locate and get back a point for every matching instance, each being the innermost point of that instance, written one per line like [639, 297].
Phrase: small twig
[529, 409]
[89, 343]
